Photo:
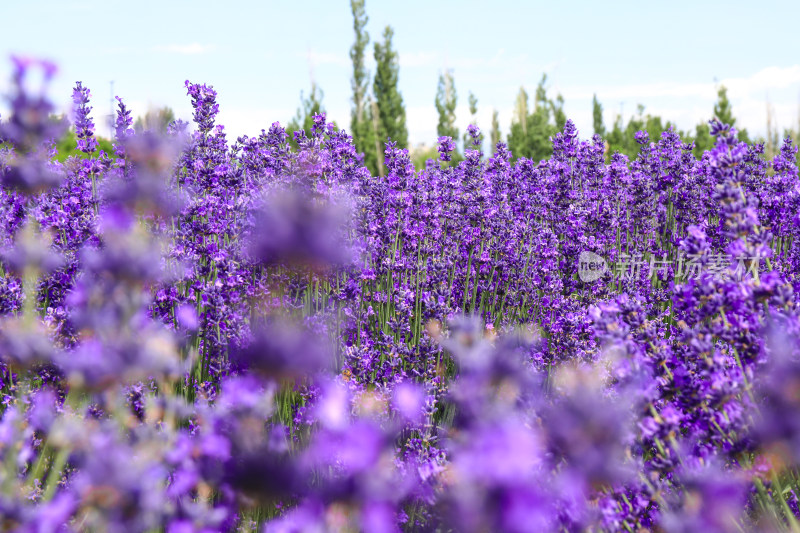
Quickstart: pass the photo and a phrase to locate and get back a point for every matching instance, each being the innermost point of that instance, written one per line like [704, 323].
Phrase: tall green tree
[391, 119]
[772, 141]
[446, 99]
[361, 125]
[494, 135]
[722, 107]
[521, 111]
[518, 133]
[724, 112]
[597, 117]
[559, 116]
[473, 120]
[155, 120]
[622, 138]
[67, 146]
[541, 127]
[530, 133]
[304, 119]
[616, 137]
[702, 139]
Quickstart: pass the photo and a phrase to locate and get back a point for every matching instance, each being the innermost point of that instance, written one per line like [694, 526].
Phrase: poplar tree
[473, 112]
[446, 99]
[391, 119]
[361, 126]
[724, 112]
[597, 117]
[309, 107]
[530, 133]
[494, 136]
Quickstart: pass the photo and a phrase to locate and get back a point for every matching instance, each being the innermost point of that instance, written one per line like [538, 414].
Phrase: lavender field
[204, 335]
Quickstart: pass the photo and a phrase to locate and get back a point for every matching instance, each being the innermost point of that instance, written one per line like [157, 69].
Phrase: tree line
[380, 114]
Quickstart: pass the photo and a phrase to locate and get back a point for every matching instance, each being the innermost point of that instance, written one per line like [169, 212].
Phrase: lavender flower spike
[84, 126]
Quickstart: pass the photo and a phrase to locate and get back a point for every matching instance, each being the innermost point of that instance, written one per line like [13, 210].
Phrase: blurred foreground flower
[285, 350]
[295, 227]
[144, 186]
[31, 129]
[31, 123]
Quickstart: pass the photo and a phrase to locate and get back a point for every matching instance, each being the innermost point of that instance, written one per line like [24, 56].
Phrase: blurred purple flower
[32, 175]
[590, 433]
[187, 317]
[710, 500]
[31, 251]
[44, 410]
[283, 350]
[25, 343]
[408, 399]
[96, 365]
[31, 123]
[296, 228]
[145, 186]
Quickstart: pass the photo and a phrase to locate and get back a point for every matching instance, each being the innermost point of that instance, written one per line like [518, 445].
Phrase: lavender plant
[204, 336]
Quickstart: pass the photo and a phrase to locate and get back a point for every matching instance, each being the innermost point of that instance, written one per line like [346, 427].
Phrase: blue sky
[259, 55]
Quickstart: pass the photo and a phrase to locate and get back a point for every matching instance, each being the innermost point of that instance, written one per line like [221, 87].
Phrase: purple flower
[123, 122]
[30, 124]
[284, 350]
[204, 101]
[97, 366]
[187, 317]
[408, 399]
[475, 136]
[446, 147]
[262, 475]
[122, 127]
[84, 126]
[709, 500]
[32, 175]
[44, 410]
[123, 487]
[295, 227]
[145, 186]
[589, 433]
[25, 343]
[33, 253]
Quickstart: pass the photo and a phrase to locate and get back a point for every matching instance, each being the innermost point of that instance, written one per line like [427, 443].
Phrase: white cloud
[684, 104]
[250, 121]
[239, 121]
[185, 49]
[687, 104]
[327, 58]
[418, 59]
[763, 80]
[74, 7]
[422, 120]
[770, 78]
[501, 67]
